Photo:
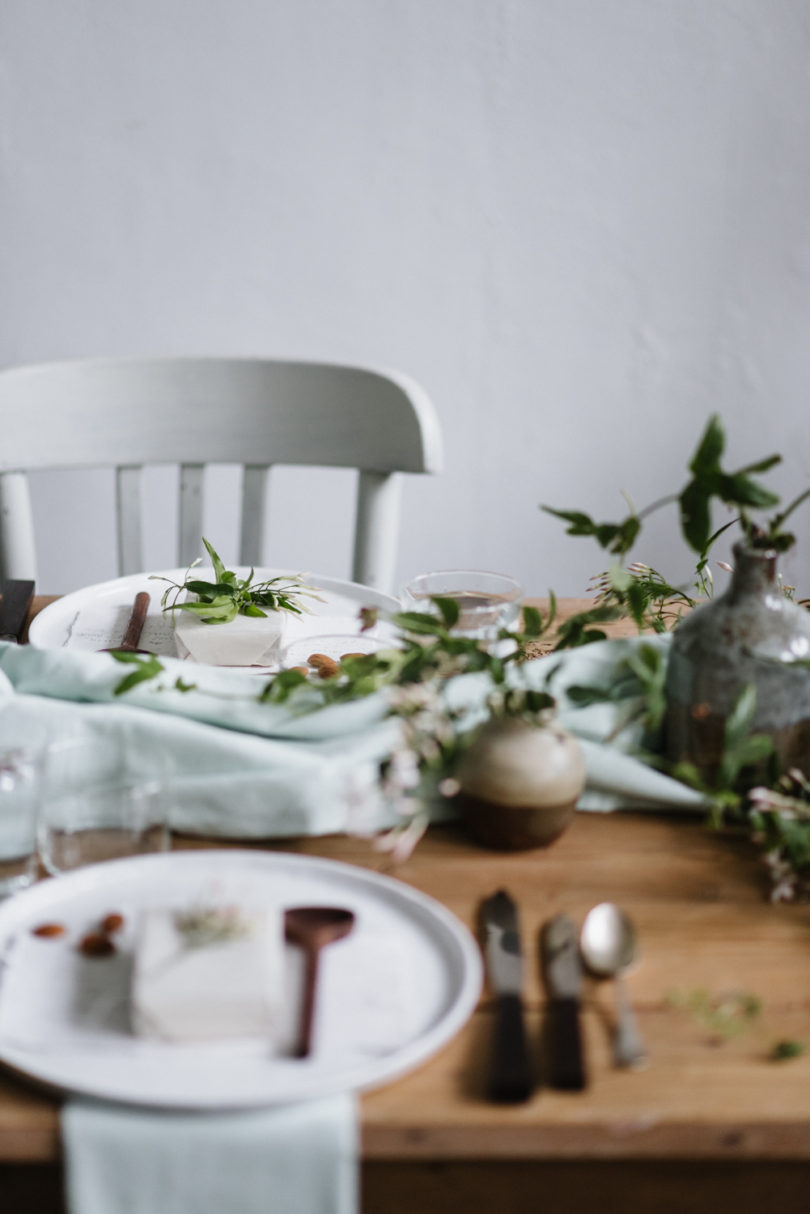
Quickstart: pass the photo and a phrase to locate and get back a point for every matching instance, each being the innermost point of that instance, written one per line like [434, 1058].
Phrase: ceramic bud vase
[754, 635]
[520, 782]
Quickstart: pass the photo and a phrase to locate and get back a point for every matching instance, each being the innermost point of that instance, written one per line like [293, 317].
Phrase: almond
[95, 944]
[49, 931]
[326, 667]
[112, 923]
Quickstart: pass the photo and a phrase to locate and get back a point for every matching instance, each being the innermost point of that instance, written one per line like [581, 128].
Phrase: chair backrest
[126, 413]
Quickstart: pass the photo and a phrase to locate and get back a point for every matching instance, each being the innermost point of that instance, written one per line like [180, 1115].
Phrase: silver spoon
[607, 944]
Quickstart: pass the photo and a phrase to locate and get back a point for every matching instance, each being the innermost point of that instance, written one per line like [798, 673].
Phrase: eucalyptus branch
[778, 519]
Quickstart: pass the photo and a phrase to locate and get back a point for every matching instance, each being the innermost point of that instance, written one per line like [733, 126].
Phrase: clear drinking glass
[104, 798]
[487, 601]
[22, 745]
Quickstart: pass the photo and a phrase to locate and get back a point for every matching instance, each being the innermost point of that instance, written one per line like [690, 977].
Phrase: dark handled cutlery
[137, 619]
[14, 608]
[510, 1075]
[312, 928]
[562, 976]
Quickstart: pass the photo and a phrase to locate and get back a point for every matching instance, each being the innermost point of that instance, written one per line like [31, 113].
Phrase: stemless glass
[487, 601]
[103, 799]
[22, 746]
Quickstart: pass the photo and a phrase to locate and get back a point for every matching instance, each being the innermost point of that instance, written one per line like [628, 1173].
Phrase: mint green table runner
[249, 770]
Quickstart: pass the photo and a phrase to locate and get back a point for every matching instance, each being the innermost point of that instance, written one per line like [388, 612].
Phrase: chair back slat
[129, 514]
[255, 482]
[190, 513]
[377, 519]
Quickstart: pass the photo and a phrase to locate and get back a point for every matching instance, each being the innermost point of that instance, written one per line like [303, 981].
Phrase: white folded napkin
[294, 1159]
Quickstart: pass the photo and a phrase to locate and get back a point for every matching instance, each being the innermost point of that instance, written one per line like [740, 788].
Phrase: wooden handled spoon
[137, 619]
[312, 928]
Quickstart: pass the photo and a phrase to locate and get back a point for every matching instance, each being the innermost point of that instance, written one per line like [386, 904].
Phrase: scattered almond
[95, 944]
[49, 931]
[326, 667]
[112, 923]
[300, 669]
[343, 656]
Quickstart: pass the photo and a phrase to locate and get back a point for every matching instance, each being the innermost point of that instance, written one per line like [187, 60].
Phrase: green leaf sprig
[220, 601]
[637, 591]
[708, 480]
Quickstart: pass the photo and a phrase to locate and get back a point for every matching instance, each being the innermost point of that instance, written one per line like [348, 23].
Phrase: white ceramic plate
[96, 616]
[390, 995]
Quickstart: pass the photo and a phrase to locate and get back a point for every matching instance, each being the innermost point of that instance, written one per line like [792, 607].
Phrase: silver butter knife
[14, 608]
[510, 1075]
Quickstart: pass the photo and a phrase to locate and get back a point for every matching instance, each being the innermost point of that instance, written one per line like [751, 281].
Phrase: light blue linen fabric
[611, 732]
[293, 1159]
[248, 770]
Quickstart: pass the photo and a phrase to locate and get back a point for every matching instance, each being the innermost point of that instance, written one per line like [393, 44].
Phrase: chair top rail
[119, 411]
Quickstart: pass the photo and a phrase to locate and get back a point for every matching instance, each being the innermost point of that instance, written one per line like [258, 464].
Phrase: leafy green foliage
[742, 748]
[786, 1050]
[725, 1015]
[577, 629]
[615, 537]
[220, 601]
[638, 592]
[144, 669]
[710, 481]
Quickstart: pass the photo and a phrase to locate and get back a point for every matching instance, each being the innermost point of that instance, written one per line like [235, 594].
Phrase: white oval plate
[96, 616]
[391, 994]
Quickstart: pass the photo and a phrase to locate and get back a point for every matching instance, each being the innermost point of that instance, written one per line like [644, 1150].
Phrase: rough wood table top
[699, 903]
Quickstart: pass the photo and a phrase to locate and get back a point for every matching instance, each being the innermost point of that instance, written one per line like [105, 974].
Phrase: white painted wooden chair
[130, 412]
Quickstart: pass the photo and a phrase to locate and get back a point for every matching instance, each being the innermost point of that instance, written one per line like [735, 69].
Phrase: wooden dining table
[713, 1122]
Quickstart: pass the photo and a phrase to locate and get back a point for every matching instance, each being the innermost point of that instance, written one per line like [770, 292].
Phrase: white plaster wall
[582, 225]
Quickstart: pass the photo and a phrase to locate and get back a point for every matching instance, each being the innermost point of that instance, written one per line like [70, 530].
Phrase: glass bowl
[487, 601]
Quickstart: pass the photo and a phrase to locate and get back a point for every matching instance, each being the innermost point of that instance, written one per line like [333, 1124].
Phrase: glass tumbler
[22, 747]
[104, 798]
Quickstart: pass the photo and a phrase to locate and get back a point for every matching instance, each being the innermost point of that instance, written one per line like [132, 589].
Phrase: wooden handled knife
[510, 1076]
[562, 975]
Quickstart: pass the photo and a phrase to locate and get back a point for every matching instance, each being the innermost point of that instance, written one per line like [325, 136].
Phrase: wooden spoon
[137, 619]
[312, 928]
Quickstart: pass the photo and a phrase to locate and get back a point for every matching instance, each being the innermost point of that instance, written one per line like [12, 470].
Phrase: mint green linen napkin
[291, 1159]
[248, 770]
[241, 769]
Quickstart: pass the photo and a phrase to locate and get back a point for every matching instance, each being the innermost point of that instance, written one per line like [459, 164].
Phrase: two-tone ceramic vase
[751, 635]
[520, 782]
